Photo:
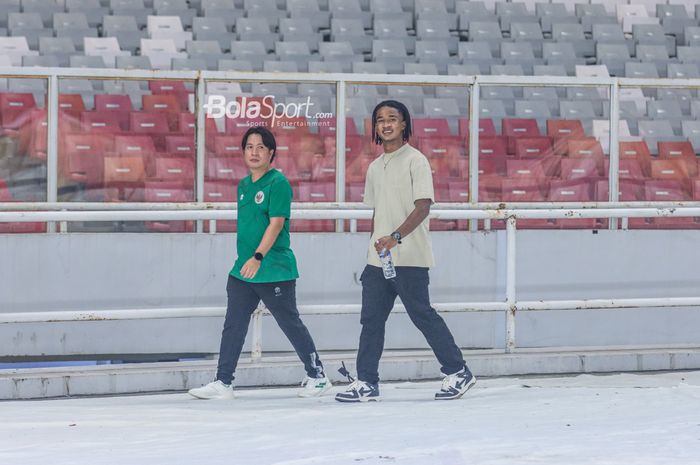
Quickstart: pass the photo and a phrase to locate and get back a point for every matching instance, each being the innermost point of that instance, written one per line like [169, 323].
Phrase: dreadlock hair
[268, 139]
[404, 114]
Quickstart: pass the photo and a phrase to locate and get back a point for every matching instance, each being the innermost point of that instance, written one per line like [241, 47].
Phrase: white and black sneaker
[314, 387]
[214, 390]
[455, 385]
[359, 391]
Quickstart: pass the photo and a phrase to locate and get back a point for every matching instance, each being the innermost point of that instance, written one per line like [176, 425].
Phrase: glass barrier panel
[127, 141]
[23, 146]
[543, 144]
[437, 113]
[659, 143]
[302, 119]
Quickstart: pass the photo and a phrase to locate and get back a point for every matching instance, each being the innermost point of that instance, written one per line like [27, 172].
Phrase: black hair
[268, 139]
[407, 131]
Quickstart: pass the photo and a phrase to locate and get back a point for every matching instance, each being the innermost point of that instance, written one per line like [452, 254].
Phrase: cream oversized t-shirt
[394, 182]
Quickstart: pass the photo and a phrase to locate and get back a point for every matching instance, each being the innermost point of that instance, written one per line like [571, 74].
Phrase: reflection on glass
[23, 147]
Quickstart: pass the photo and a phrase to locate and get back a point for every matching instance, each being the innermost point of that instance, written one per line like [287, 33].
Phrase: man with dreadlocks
[399, 187]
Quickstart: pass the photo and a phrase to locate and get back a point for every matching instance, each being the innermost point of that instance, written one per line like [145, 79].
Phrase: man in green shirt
[264, 270]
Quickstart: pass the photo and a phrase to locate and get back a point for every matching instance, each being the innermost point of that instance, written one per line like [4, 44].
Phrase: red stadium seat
[327, 126]
[227, 146]
[628, 169]
[217, 191]
[573, 168]
[84, 157]
[562, 130]
[313, 192]
[117, 105]
[588, 148]
[669, 169]
[637, 150]
[174, 169]
[175, 89]
[169, 105]
[486, 128]
[226, 168]
[514, 128]
[430, 128]
[38, 132]
[679, 150]
[17, 228]
[103, 121]
[15, 109]
[630, 190]
[575, 190]
[527, 189]
[324, 168]
[168, 192]
[127, 145]
[180, 145]
[665, 191]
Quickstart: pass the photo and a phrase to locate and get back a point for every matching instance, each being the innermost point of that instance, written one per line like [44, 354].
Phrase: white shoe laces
[448, 382]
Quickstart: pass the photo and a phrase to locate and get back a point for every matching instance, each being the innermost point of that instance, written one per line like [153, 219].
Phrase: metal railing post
[340, 147]
[200, 142]
[510, 284]
[614, 172]
[256, 343]
[474, 148]
[52, 149]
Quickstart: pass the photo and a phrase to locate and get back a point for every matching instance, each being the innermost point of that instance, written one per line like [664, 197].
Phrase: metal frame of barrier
[52, 211]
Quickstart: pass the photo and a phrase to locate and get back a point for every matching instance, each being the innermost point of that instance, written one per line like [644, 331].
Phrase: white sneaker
[314, 387]
[214, 390]
[455, 385]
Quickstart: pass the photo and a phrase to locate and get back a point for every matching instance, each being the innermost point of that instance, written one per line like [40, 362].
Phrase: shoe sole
[303, 395]
[461, 393]
[357, 401]
[210, 398]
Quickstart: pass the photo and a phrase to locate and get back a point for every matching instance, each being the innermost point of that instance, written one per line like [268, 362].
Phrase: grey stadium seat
[489, 32]
[134, 8]
[309, 9]
[349, 10]
[435, 10]
[478, 53]
[509, 12]
[295, 51]
[435, 53]
[573, 33]
[338, 52]
[300, 29]
[435, 29]
[351, 30]
[126, 30]
[392, 53]
[258, 29]
[253, 51]
[530, 33]
[93, 10]
[212, 29]
[473, 11]
[394, 29]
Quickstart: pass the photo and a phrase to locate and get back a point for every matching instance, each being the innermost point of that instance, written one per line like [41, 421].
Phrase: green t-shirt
[269, 196]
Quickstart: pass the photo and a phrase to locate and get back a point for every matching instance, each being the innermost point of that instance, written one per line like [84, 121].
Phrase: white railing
[511, 305]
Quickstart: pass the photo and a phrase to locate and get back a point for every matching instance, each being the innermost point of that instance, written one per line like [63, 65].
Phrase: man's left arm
[423, 196]
[420, 212]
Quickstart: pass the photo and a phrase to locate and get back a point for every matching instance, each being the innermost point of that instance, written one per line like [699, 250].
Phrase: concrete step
[286, 370]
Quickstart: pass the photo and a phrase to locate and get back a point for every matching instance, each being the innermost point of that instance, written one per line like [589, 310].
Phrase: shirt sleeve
[280, 199]
[368, 198]
[422, 179]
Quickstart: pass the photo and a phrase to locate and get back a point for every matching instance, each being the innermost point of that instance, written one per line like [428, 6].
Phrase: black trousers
[280, 299]
[378, 297]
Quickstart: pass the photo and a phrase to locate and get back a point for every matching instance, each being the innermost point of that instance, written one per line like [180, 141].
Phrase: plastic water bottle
[387, 264]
